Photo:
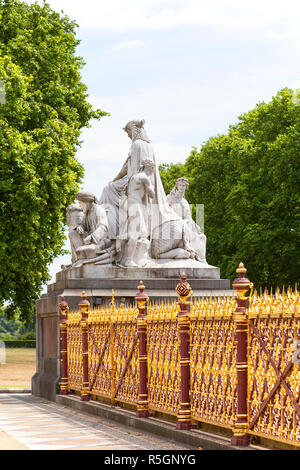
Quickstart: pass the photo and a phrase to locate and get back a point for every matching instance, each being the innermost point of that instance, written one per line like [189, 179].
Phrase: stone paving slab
[7, 442]
[29, 422]
[15, 389]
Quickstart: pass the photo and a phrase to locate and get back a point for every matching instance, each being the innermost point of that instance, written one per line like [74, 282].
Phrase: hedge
[19, 343]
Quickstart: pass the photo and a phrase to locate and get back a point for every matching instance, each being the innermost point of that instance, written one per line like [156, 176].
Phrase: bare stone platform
[162, 269]
[98, 283]
[160, 281]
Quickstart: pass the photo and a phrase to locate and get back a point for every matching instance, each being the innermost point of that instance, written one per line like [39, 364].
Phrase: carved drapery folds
[134, 223]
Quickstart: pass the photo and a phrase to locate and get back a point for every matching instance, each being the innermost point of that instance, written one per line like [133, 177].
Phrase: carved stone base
[163, 268]
[45, 382]
[160, 282]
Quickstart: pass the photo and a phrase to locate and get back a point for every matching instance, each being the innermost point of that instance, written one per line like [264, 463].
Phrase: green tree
[249, 181]
[41, 118]
[169, 172]
[14, 328]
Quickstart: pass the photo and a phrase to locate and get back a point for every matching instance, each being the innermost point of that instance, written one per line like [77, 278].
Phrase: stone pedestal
[98, 282]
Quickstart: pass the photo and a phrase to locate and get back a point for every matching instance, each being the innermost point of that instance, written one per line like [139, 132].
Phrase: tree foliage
[249, 181]
[169, 174]
[45, 107]
[14, 328]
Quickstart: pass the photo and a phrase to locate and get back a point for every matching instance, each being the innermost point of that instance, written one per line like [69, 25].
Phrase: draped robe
[114, 194]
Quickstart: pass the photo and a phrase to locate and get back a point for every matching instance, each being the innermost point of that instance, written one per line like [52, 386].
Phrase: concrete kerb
[15, 390]
[194, 438]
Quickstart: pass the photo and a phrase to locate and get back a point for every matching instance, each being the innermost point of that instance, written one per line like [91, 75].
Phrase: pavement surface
[33, 423]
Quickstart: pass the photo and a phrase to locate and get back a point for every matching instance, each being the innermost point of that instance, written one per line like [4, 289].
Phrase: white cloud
[283, 37]
[182, 103]
[127, 45]
[170, 153]
[178, 116]
[232, 16]
[103, 161]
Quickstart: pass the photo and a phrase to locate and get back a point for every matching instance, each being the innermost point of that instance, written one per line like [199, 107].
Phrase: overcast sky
[188, 67]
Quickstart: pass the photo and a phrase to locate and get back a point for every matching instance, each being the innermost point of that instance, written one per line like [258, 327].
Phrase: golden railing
[213, 362]
[74, 350]
[273, 370]
[112, 366]
[163, 357]
[272, 322]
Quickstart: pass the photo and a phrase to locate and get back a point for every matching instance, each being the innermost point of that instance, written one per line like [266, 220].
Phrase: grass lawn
[19, 368]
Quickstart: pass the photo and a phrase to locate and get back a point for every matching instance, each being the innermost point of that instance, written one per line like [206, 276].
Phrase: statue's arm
[81, 229]
[123, 171]
[148, 187]
[187, 215]
[101, 223]
[171, 198]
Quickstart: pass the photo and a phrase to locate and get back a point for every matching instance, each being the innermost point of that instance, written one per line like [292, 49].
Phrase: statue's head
[74, 214]
[135, 130]
[147, 166]
[181, 184]
[86, 200]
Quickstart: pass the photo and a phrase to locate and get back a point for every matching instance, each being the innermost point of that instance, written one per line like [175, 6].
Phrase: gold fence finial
[141, 299]
[63, 306]
[241, 269]
[183, 288]
[242, 284]
[141, 287]
[84, 304]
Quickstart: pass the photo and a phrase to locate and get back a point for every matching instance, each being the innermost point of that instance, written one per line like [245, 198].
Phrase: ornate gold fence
[112, 350]
[219, 360]
[163, 358]
[74, 351]
[213, 361]
[273, 371]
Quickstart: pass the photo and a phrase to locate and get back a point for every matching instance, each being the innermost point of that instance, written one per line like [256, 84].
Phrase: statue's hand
[102, 245]
[87, 240]
[80, 230]
[150, 192]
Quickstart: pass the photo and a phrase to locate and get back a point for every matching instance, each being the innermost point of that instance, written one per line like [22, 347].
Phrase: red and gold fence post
[240, 316]
[143, 404]
[63, 385]
[84, 307]
[184, 290]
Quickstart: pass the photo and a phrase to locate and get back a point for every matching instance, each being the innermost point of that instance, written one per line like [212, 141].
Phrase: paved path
[28, 422]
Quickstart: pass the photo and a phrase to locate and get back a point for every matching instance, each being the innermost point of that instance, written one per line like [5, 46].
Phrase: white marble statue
[74, 219]
[136, 228]
[88, 233]
[163, 221]
[193, 234]
[135, 224]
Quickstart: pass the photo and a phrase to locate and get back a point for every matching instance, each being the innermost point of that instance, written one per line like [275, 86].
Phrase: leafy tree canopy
[249, 181]
[43, 107]
[14, 328]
